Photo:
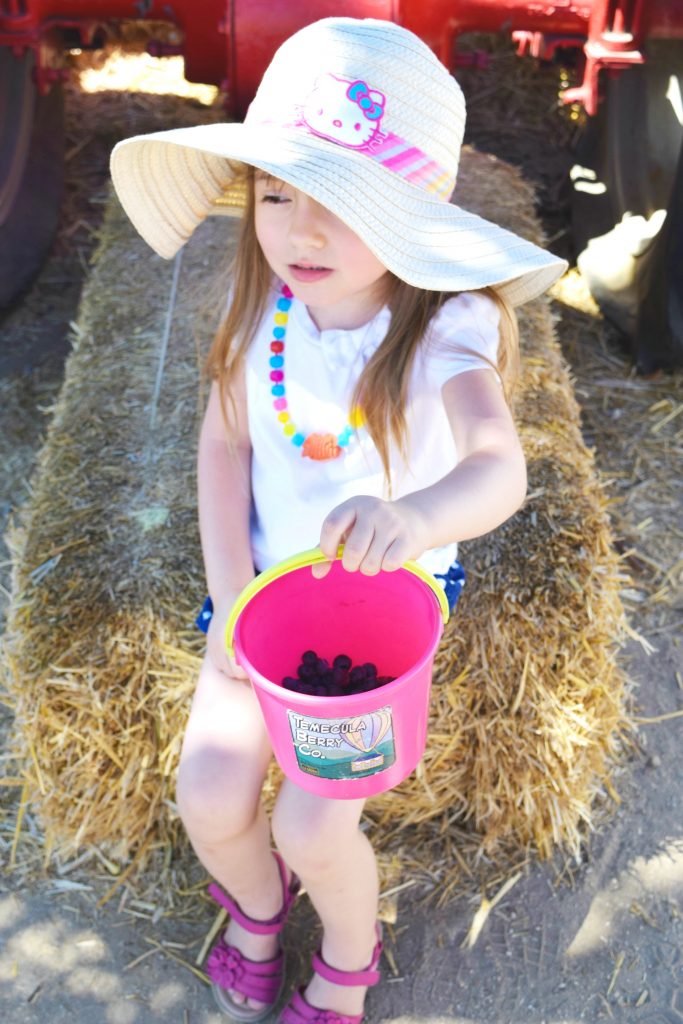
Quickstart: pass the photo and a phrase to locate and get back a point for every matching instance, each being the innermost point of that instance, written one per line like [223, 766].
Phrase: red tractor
[628, 180]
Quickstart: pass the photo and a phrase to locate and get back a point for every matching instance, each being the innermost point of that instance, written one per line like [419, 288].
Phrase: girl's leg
[322, 842]
[223, 763]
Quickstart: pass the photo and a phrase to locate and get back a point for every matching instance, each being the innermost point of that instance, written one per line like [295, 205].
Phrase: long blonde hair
[381, 390]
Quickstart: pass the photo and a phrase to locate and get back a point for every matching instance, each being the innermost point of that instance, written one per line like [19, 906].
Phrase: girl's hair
[381, 390]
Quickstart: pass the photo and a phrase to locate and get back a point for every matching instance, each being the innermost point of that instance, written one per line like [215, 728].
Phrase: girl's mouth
[308, 274]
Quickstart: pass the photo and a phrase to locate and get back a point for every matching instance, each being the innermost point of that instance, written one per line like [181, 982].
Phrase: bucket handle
[312, 557]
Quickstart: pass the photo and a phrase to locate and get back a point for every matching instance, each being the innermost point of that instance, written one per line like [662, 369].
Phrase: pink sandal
[227, 968]
[300, 1011]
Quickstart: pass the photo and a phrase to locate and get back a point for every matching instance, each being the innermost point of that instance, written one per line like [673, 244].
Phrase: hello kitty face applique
[343, 111]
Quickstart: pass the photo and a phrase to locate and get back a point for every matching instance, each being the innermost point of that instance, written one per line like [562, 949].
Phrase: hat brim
[168, 182]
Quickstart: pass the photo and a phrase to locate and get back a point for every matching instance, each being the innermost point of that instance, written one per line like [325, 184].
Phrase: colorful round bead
[316, 446]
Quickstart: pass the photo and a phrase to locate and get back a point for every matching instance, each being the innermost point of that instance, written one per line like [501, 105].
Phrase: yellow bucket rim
[300, 561]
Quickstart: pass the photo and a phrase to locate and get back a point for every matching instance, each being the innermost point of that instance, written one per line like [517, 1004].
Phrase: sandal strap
[275, 924]
[299, 1011]
[255, 979]
[369, 976]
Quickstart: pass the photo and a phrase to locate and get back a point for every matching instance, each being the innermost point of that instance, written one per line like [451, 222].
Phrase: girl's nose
[306, 224]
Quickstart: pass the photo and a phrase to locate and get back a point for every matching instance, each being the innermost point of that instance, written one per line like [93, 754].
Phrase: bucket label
[343, 748]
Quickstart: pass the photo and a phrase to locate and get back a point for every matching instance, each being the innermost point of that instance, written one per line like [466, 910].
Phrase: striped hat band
[349, 113]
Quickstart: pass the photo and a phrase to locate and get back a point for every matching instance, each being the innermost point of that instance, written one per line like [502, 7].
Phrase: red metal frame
[616, 35]
[258, 27]
[26, 23]
[230, 42]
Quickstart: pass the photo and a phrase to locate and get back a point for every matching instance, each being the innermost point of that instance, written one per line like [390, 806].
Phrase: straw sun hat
[360, 115]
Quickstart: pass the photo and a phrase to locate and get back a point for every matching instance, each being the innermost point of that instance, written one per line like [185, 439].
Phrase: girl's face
[325, 264]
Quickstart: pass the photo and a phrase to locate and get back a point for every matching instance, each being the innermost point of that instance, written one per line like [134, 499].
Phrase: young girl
[358, 397]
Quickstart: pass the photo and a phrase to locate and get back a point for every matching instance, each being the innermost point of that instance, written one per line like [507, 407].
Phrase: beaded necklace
[320, 447]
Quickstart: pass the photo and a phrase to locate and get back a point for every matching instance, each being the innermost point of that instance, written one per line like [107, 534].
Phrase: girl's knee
[313, 837]
[224, 758]
[217, 794]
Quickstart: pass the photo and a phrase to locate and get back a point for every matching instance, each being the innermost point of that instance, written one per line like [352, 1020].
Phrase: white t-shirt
[292, 494]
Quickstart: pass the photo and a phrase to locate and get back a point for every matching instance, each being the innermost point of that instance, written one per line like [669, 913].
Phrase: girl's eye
[274, 197]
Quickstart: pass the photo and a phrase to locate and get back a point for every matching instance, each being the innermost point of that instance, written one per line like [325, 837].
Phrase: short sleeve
[463, 335]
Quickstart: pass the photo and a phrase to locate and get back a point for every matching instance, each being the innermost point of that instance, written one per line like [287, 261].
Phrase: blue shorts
[452, 582]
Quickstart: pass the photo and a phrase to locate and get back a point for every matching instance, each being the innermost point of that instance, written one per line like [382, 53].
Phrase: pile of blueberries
[316, 677]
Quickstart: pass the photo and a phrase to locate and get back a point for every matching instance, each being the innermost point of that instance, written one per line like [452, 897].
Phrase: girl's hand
[215, 639]
[377, 535]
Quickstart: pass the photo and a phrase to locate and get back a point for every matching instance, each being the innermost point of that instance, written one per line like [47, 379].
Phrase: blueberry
[358, 675]
[323, 665]
[363, 687]
[306, 671]
[290, 684]
[309, 658]
[343, 662]
[340, 676]
[370, 670]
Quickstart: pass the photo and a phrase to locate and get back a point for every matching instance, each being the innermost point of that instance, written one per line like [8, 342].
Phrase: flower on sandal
[225, 966]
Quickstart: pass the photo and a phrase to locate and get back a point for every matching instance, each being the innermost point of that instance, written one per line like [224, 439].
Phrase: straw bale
[107, 563]
[528, 704]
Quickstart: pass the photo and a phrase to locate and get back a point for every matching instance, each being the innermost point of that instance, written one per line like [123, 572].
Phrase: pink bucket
[352, 746]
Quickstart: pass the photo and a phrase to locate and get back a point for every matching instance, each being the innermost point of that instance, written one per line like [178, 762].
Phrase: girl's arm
[224, 493]
[486, 487]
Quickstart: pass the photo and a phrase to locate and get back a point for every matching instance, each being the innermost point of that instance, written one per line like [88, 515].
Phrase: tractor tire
[626, 196]
[31, 172]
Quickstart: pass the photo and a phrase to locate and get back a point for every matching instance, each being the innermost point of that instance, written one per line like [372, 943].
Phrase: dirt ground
[599, 940]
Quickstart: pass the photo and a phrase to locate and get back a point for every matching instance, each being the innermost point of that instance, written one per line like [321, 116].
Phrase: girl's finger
[320, 569]
[219, 654]
[334, 529]
[395, 555]
[236, 670]
[373, 560]
[229, 668]
[357, 544]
